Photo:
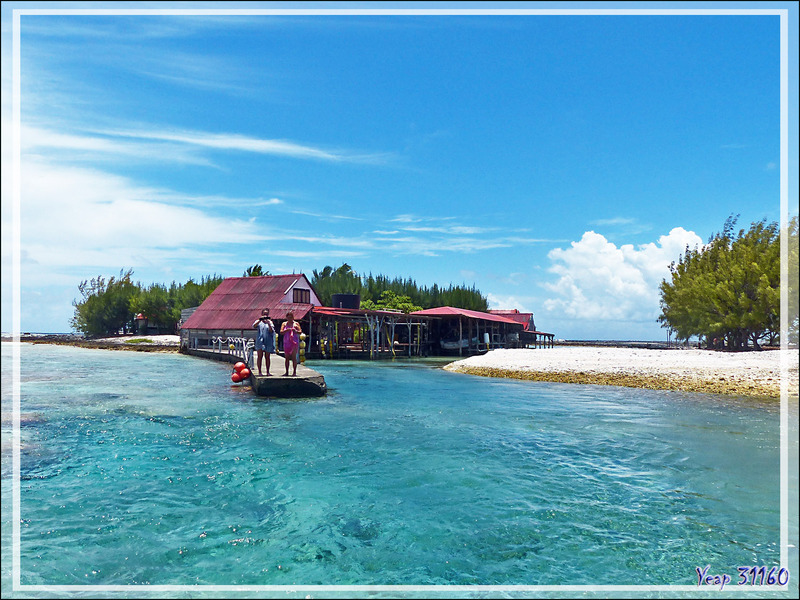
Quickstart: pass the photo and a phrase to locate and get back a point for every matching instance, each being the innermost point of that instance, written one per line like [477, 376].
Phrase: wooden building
[459, 331]
[226, 318]
[229, 311]
[529, 337]
[359, 333]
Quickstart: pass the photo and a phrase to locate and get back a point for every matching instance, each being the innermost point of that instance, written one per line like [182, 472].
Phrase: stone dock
[306, 384]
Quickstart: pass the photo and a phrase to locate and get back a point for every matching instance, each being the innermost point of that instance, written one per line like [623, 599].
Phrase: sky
[557, 162]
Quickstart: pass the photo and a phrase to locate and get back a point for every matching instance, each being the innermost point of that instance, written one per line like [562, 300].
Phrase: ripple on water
[402, 475]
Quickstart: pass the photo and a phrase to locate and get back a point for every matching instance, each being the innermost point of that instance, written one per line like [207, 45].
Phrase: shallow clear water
[153, 468]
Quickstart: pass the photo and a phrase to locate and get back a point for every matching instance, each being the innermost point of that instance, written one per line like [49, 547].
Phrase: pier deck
[307, 383]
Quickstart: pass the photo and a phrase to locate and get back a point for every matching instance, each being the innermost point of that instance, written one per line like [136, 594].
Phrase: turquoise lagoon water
[153, 468]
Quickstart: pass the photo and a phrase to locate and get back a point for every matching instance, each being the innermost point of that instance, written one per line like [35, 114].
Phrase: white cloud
[318, 254]
[75, 147]
[175, 146]
[74, 217]
[453, 230]
[623, 226]
[599, 281]
[435, 240]
[241, 143]
[614, 221]
[409, 218]
[326, 217]
[506, 302]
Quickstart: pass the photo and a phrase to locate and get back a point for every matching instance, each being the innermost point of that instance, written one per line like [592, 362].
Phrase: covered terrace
[359, 333]
[461, 331]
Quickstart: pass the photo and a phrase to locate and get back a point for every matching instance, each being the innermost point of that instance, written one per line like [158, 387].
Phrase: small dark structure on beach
[346, 301]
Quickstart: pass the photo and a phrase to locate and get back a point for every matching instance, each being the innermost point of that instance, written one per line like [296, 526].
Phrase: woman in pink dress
[290, 330]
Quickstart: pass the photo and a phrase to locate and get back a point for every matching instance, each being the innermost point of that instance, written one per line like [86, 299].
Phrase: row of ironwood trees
[381, 292]
[109, 306]
[728, 292]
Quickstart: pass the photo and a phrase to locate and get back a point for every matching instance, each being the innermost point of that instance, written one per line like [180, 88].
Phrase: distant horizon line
[9, 333]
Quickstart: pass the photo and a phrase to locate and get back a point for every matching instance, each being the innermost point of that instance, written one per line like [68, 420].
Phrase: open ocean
[140, 468]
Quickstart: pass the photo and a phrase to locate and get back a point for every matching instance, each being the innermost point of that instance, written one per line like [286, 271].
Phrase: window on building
[300, 296]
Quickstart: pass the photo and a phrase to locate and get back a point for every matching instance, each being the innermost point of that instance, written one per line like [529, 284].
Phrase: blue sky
[559, 163]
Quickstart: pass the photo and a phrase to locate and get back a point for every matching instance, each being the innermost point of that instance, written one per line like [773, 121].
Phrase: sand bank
[692, 370]
[157, 340]
[140, 343]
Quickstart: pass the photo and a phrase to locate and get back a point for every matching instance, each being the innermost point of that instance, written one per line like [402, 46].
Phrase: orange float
[239, 366]
[244, 373]
[235, 377]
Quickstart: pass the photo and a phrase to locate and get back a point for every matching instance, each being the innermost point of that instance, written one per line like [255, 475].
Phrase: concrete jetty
[307, 382]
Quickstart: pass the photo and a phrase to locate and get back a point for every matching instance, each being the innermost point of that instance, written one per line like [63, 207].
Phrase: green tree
[192, 294]
[156, 305]
[371, 287]
[332, 281]
[793, 251]
[255, 271]
[391, 301]
[108, 307]
[729, 290]
[105, 305]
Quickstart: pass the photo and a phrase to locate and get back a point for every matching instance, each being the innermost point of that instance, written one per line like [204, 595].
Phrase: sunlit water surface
[145, 468]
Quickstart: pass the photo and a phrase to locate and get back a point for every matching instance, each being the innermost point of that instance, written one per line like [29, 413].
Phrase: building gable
[238, 301]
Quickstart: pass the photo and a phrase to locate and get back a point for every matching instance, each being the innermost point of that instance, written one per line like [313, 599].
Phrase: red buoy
[239, 366]
[236, 378]
[244, 373]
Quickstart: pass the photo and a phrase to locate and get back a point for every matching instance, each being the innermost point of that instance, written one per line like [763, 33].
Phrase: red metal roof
[356, 312]
[238, 301]
[515, 315]
[450, 311]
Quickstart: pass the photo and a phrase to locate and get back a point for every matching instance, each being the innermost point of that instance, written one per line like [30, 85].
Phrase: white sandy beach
[740, 373]
[735, 373]
[160, 340]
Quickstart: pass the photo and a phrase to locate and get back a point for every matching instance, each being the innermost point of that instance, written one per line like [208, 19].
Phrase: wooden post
[392, 325]
[371, 340]
[460, 334]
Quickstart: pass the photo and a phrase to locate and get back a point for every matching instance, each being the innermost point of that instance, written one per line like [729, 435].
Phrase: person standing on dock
[265, 338]
[290, 330]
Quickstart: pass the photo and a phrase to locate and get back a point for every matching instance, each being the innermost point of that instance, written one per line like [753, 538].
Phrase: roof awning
[451, 311]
